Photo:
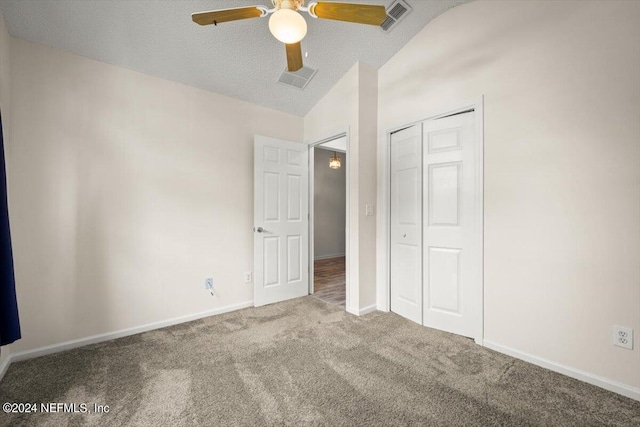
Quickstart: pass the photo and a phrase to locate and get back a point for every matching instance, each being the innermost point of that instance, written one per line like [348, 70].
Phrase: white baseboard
[369, 309]
[362, 311]
[81, 342]
[317, 258]
[607, 384]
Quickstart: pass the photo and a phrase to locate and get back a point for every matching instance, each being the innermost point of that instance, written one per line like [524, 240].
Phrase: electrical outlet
[247, 277]
[623, 337]
[208, 283]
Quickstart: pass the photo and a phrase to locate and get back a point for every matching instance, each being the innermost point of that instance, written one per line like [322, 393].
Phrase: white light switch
[368, 209]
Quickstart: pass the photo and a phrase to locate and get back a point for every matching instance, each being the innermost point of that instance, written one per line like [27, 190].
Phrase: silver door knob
[259, 229]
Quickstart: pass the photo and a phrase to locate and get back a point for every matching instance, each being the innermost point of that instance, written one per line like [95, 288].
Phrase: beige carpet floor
[303, 362]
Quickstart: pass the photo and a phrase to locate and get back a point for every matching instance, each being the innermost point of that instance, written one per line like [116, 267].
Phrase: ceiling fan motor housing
[288, 4]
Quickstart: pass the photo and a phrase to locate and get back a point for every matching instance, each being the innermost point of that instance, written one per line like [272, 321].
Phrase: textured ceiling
[239, 59]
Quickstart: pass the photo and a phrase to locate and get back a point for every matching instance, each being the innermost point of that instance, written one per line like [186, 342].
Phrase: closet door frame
[384, 285]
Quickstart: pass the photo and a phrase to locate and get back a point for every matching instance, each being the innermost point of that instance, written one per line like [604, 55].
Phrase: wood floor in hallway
[329, 280]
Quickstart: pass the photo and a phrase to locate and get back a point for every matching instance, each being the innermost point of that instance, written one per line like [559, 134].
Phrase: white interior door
[406, 223]
[281, 220]
[451, 226]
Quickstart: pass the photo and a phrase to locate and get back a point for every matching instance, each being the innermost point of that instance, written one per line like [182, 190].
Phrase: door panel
[444, 194]
[294, 267]
[281, 225]
[271, 260]
[451, 267]
[445, 272]
[406, 223]
[294, 202]
[444, 140]
[271, 197]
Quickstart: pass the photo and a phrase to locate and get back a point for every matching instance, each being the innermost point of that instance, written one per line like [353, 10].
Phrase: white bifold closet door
[450, 267]
[406, 223]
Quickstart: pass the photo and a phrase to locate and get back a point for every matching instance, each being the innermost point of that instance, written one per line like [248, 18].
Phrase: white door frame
[384, 302]
[312, 146]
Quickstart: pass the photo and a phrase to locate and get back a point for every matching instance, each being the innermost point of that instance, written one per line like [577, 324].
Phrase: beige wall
[561, 82]
[126, 192]
[4, 66]
[335, 113]
[350, 106]
[367, 126]
[4, 107]
[329, 205]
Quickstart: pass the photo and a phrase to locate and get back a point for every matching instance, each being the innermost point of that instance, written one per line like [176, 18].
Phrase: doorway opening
[329, 220]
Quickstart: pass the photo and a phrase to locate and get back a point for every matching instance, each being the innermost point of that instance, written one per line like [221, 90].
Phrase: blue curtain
[9, 322]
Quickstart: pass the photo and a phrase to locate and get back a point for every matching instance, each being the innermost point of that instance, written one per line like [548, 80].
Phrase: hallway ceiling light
[334, 162]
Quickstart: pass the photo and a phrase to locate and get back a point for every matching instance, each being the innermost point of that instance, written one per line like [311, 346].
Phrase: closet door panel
[450, 265]
[406, 223]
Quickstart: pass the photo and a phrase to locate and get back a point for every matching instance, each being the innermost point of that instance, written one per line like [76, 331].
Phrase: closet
[436, 223]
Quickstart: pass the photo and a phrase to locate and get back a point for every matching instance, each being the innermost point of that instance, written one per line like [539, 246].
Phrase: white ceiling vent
[395, 13]
[298, 79]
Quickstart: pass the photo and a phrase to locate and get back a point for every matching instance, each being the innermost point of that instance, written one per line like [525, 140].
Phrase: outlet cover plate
[247, 277]
[623, 337]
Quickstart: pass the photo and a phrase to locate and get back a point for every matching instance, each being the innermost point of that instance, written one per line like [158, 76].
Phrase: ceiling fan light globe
[288, 26]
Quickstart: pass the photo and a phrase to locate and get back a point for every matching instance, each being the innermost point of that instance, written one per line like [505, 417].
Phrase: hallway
[329, 280]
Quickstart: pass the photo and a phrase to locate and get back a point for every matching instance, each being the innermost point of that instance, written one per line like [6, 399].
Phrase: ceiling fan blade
[350, 12]
[225, 15]
[294, 56]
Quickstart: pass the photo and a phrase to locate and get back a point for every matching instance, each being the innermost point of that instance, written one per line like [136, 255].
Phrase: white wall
[126, 192]
[329, 205]
[367, 126]
[4, 107]
[335, 113]
[4, 67]
[351, 106]
[562, 166]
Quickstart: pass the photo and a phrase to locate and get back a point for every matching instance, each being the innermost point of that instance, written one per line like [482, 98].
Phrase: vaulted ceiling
[240, 59]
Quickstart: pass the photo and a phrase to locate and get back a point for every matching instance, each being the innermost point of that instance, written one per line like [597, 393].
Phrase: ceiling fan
[288, 26]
